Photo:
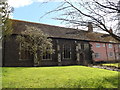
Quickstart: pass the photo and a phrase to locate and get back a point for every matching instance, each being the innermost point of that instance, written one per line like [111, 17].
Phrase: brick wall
[105, 51]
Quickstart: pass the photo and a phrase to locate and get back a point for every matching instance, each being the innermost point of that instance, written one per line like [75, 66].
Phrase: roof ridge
[44, 24]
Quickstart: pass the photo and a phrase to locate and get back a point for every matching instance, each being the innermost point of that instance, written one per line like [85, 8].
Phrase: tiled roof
[62, 32]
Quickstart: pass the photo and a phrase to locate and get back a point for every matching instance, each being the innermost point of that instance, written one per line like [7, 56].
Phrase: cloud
[22, 3]
[19, 3]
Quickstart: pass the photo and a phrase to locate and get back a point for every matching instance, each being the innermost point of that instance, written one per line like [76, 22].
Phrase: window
[103, 45]
[47, 56]
[110, 54]
[119, 46]
[118, 55]
[23, 54]
[110, 45]
[97, 55]
[82, 46]
[86, 46]
[97, 45]
[66, 51]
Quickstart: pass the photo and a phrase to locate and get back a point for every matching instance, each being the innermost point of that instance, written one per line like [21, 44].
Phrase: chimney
[111, 31]
[90, 27]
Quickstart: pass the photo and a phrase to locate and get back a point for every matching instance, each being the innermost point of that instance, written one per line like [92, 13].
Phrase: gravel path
[112, 68]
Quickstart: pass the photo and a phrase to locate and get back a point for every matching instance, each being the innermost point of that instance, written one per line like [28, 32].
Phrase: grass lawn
[58, 77]
[112, 64]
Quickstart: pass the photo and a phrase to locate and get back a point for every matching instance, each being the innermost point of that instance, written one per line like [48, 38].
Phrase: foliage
[35, 41]
[6, 23]
[59, 77]
[7, 28]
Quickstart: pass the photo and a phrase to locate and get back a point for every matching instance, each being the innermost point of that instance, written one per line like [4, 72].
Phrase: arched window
[66, 51]
[47, 56]
[23, 53]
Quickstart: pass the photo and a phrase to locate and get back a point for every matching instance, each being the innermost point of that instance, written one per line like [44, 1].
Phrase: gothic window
[82, 46]
[86, 46]
[67, 51]
[23, 53]
[47, 56]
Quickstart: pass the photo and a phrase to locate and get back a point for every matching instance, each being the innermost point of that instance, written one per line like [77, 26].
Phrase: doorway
[82, 57]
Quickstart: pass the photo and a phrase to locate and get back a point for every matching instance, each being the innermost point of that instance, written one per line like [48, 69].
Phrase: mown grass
[0, 78]
[58, 77]
[112, 64]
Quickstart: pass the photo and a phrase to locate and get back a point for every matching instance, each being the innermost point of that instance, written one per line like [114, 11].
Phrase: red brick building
[105, 51]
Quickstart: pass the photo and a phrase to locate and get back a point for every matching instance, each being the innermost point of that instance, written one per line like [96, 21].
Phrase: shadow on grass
[105, 82]
[115, 81]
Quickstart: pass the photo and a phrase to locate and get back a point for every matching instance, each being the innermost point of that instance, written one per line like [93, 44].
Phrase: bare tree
[119, 18]
[103, 14]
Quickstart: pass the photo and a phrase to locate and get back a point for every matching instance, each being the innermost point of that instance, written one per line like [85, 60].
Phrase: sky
[32, 10]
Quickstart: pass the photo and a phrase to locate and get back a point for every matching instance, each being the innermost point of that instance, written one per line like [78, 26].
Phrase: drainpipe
[3, 52]
[114, 52]
[106, 51]
[118, 53]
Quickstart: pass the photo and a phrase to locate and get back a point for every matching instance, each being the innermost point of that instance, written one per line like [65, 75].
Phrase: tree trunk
[36, 62]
